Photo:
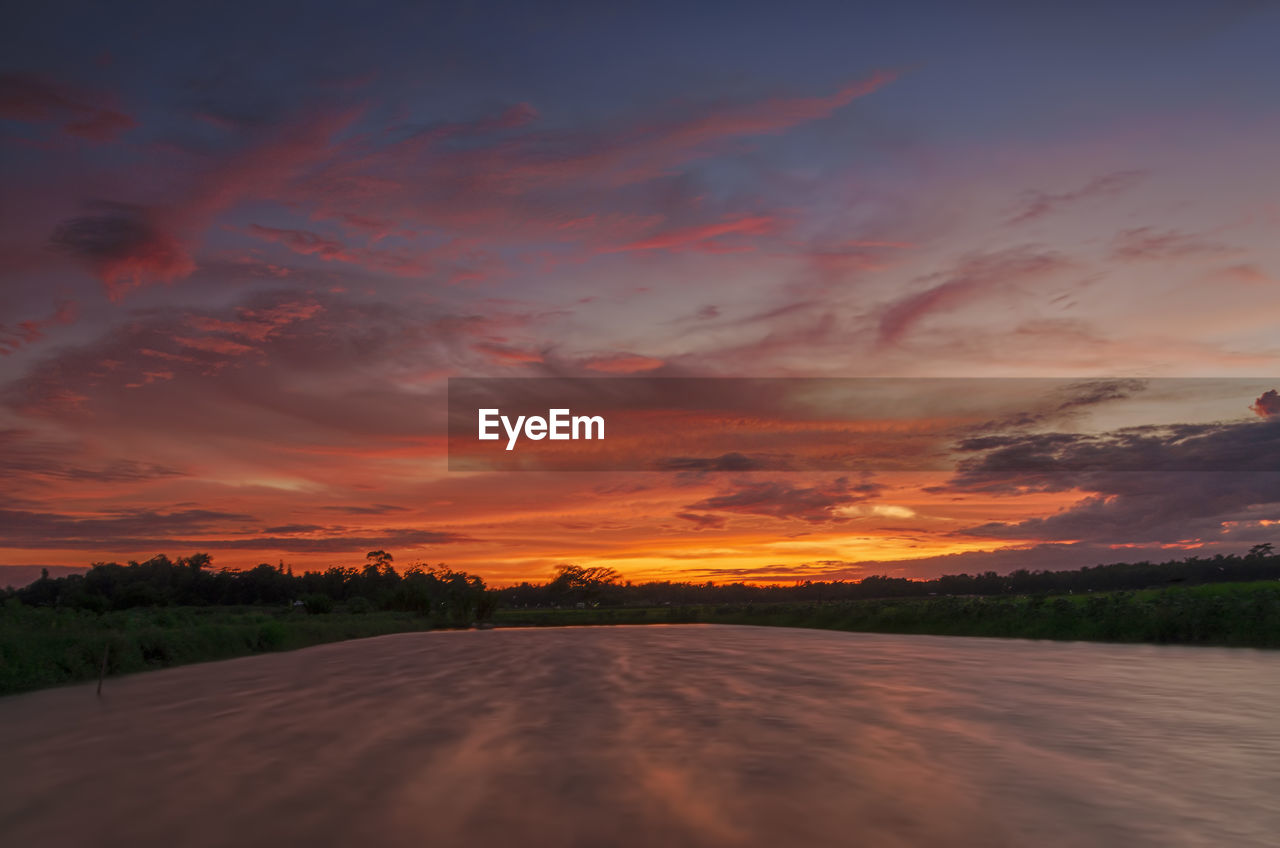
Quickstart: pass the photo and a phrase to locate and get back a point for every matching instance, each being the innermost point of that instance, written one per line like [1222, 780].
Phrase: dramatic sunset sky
[244, 246]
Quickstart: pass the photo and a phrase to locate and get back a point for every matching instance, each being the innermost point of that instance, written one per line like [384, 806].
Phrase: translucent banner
[974, 425]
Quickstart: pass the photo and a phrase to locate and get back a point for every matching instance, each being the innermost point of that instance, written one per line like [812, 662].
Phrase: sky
[244, 248]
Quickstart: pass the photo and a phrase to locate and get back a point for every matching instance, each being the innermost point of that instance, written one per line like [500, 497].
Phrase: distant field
[1226, 614]
[42, 647]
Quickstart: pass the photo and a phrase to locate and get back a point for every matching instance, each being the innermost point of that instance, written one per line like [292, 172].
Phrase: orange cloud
[623, 363]
[506, 355]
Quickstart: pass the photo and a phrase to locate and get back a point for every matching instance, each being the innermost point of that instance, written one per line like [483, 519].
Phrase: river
[658, 736]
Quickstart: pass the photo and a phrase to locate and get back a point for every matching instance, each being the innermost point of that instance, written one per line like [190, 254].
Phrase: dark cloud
[1061, 404]
[24, 456]
[1241, 446]
[103, 125]
[373, 509]
[1146, 243]
[1146, 484]
[406, 537]
[732, 461]
[1038, 204]
[25, 528]
[36, 99]
[1155, 508]
[785, 500]
[149, 530]
[123, 244]
[825, 569]
[1093, 392]
[702, 521]
[1048, 557]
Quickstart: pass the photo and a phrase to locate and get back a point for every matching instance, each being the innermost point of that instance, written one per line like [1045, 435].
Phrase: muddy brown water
[658, 736]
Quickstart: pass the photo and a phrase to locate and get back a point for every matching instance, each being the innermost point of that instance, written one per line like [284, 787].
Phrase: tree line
[442, 592]
[437, 591]
[598, 586]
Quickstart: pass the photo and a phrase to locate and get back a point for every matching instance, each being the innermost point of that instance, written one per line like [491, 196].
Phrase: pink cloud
[131, 245]
[150, 377]
[514, 187]
[767, 117]
[700, 237]
[212, 344]
[35, 99]
[32, 330]
[505, 355]
[506, 184]
[258, 325]
[330, 249]
[974, 277]
[301, 241]
[166, 355]
[1147, 243]
[623, 363]
[1246, 273]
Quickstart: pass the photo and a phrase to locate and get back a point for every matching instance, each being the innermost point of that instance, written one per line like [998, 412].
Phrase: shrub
[317, 604]
[360, 606]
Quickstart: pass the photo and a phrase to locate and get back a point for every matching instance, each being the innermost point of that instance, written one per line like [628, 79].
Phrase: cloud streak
[1040, 204]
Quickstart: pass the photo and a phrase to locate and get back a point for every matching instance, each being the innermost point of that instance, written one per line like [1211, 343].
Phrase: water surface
[658, 736]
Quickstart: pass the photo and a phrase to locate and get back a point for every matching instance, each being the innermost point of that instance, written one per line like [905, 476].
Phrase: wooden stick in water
[103, 672]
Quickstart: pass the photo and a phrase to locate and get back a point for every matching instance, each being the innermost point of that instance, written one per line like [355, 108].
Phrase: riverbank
[42, 647]
[1221, 614]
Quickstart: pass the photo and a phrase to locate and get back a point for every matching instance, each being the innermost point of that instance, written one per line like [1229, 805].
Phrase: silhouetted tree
[579, 584]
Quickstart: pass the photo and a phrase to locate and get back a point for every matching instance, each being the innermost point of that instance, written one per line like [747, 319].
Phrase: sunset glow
[229, 315]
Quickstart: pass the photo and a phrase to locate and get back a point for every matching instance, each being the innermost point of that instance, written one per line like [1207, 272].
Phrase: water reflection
[664, 736]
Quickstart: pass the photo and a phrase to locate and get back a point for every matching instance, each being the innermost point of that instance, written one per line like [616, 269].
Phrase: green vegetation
[1229, 614]
[166, 612]
[435, 591]
[603, 586]
[44, 646]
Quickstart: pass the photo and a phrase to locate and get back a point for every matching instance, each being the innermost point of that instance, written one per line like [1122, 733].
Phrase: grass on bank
[1227, 614]
[42, 646]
